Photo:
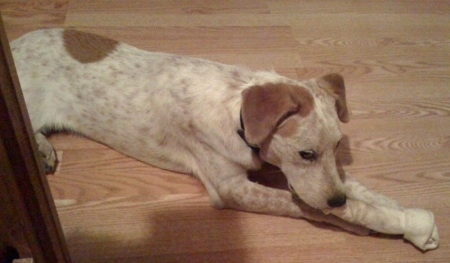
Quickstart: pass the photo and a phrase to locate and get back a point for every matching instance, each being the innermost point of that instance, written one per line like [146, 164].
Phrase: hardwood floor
[395, 57]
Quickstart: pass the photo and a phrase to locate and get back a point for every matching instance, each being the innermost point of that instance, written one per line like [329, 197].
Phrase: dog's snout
[337, 201]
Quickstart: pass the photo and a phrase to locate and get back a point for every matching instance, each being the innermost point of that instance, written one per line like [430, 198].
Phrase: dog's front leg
[357, 191]
[241, 194]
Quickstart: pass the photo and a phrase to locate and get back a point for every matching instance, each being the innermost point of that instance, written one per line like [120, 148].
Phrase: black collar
[255, 149]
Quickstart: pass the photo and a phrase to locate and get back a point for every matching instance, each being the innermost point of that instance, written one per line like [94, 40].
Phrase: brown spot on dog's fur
[265, 107]
[87, 47]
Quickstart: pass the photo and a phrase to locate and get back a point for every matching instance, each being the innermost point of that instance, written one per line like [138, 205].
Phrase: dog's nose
[337, 201]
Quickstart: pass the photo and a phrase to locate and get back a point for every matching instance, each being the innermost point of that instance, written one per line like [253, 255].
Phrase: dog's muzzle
[334, 202]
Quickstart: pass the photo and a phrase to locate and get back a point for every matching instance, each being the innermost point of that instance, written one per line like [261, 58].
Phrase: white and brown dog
[194, 116]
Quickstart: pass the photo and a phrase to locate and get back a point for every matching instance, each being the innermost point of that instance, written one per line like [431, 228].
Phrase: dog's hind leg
[47, 153]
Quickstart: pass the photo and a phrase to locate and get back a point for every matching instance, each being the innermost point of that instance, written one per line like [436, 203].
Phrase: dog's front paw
[420, 229]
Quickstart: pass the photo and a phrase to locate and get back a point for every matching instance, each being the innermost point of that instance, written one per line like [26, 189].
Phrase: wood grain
[394, 56]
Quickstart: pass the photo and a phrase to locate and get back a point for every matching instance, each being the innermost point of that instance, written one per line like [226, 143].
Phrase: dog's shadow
[344, 154]
[170, 234]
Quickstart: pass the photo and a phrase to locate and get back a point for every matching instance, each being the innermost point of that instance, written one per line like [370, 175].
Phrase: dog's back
[141, 103]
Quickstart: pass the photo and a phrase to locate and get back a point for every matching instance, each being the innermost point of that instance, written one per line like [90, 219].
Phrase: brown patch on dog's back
[87, 47]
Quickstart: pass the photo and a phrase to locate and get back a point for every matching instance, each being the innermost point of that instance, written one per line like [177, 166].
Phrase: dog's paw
[420, 229]
[47, 153]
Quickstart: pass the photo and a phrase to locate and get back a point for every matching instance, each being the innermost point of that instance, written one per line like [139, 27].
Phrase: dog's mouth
[298, 201]
[295, 197]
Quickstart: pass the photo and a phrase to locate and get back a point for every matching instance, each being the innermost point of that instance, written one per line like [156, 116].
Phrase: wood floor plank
[173, 7]
[371, 7]
[24, 16]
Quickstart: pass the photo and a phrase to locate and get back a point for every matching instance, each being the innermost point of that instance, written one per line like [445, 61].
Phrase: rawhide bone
[384, 215]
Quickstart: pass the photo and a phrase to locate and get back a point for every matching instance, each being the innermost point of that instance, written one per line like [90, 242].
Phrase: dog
[193, 116]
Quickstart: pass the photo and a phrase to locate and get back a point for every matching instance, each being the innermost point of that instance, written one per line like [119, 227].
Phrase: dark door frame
[29, 224]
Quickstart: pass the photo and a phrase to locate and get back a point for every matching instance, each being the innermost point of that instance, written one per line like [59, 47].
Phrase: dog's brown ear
[334, 85]
[265, 107]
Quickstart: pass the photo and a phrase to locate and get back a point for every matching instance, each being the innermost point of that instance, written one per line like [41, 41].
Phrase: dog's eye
[308, 155]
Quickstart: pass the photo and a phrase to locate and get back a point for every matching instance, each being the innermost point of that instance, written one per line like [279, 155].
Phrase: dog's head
[296, 127]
